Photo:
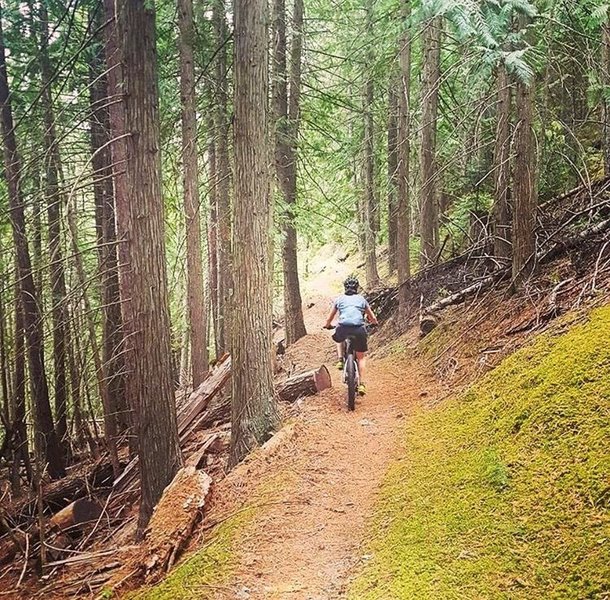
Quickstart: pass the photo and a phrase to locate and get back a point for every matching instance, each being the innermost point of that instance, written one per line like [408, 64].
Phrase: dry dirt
[307, 540]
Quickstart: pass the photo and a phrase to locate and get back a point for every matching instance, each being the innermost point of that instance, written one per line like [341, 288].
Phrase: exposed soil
[307, 541]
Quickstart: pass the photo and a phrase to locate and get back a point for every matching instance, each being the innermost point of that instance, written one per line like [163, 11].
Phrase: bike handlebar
[367, 325]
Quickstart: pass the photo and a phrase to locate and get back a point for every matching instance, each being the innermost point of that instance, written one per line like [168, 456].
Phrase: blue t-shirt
[351, 309]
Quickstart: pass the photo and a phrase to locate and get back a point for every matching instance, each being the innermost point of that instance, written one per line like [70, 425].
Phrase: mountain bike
[351, 376]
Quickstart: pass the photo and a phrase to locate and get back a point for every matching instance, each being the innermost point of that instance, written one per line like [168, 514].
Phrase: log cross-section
[305, 384]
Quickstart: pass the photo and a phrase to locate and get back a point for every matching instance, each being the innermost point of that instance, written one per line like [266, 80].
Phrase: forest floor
[363, 505]
[320, 489]
[303, 512]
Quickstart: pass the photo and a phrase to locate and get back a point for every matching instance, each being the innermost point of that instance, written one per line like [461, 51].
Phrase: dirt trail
[308, 542]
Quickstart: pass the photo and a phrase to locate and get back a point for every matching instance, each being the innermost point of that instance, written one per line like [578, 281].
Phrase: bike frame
[347, 350]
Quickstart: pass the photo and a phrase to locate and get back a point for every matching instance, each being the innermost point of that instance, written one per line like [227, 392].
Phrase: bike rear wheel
[350, 376]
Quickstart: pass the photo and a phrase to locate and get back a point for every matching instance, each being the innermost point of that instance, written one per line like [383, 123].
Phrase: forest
[178, 175]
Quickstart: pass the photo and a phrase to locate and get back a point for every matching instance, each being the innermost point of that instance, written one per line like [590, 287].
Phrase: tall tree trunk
[429, 182]
[4, 384]
[392, 177]
[103, 190]
[223, 178]
[370, 205]
[83, 434]
[605, 70]
[113, 53]
[54, 211]
[151, 375]
[110, 422]
[286, 132]
[524, 209]
[403, 225]
[19, 421]
[293, 303]
[502, 208]
[47, 442]
[253, 405]
[194, 258]
[213, 237]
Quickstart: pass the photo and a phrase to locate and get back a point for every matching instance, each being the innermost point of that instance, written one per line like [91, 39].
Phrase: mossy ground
[202, 573]
[211, 567]
[504, 491]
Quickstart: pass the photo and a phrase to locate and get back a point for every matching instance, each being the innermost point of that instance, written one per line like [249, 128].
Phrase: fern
[600, 14]
[516, 65]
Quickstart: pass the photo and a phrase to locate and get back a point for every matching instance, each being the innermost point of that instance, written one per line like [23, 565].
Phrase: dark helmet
[351, 285]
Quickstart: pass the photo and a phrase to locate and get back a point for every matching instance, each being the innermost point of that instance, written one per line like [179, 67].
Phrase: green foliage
[503, 489]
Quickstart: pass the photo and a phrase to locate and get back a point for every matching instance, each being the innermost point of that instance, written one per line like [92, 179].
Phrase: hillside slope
[504, 490]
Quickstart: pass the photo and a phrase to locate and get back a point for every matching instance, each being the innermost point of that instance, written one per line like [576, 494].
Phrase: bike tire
[350, 376]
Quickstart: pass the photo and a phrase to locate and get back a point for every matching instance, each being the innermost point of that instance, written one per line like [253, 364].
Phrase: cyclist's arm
[370, 315]
[331, 316]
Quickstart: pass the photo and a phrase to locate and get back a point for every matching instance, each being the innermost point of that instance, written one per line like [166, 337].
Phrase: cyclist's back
[351, 309]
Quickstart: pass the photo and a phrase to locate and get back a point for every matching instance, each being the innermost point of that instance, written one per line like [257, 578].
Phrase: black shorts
[358, 332]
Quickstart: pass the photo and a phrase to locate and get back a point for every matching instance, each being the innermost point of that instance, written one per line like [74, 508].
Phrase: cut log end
[305, 384]
[322, 379]
[77, 514]
[427, 323]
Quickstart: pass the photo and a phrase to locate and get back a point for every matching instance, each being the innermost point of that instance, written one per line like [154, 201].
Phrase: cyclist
[352, 309]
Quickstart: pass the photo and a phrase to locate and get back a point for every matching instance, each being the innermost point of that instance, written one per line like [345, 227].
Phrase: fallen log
[174, 519]
[189, 420]
[460, 296]
[76, 515]
[305, 384]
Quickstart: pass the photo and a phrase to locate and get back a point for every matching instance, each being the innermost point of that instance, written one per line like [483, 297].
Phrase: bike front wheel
[350, 376]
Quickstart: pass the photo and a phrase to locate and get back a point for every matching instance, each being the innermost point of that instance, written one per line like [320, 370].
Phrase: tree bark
[429, 183]
[403, 254]
[286, 114]
[293, 303]
[254, 408]
[151, 374]
[194, 260]
[47, 442]
[103, 191]
[392, 176]
[502, 209]
[525, 185]
[605, 70]
[113, 52]
[222, 180]
[54, 212]
[213, 237]
[370, 206]
[21, 454]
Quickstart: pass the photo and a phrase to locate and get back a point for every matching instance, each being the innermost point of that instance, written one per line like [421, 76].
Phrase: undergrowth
[504, 491]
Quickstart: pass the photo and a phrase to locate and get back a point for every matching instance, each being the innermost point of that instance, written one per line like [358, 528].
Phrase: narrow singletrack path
[309, 541]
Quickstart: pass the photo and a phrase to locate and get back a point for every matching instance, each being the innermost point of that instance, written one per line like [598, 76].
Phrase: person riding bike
[352, 309]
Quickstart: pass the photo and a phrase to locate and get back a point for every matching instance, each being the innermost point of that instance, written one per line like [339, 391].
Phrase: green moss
[200, 575]
[436, 341]
[504, 490]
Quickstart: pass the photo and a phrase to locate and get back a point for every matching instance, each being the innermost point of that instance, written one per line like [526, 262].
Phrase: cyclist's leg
[361, 358]
[339, 338]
